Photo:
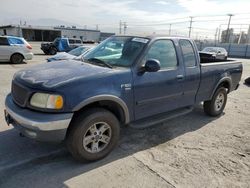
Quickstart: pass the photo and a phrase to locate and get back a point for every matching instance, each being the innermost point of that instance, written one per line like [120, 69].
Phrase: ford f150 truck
[132, 80]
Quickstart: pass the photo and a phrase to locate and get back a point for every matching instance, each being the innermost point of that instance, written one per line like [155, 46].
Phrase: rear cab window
[188, 53]
[78, 41]
[71, 41]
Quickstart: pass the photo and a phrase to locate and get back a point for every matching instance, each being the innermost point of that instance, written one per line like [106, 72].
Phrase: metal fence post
[246, 51]
[229, 49]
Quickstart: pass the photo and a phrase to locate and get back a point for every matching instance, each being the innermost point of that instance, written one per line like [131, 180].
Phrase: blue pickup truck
[60, 45]
[125, 80]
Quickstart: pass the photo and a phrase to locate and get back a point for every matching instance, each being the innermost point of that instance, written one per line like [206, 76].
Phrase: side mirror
[152, 65]
[218, 52]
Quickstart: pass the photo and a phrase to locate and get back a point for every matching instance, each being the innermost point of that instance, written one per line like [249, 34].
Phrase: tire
[52, 51]
[16, 59]
[46, 52]
[247, 81]
[216, 106]
[225, 58]
[82, 140]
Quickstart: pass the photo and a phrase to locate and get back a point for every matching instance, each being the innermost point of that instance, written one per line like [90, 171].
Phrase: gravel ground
[190, 151]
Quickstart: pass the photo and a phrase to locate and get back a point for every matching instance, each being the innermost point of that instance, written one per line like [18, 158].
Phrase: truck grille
[19, 94]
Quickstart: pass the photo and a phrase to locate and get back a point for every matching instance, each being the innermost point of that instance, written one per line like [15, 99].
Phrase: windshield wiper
[98, 61]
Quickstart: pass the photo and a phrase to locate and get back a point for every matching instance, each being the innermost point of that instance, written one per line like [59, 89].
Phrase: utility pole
[190, 26]
[169, 33]
[124, 28]
[215, 36]
[120, 27]
[228, 26]
[219, 33]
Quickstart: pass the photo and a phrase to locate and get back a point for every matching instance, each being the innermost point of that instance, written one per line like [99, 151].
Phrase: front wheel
[52, 51]
[93, 135]
[216, 106]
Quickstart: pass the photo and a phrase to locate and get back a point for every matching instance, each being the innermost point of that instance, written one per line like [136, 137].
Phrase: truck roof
[156, 36]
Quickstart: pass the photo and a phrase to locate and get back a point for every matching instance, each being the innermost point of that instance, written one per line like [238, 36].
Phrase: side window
[4, 41]
[78, 42]
[188, 53]
[164, 51]
[15, 41]
[71, 41]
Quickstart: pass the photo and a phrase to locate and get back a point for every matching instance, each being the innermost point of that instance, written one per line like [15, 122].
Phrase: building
[39, 33]
[104, 35]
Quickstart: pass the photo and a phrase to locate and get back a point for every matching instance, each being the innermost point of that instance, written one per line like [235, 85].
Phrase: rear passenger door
[192, 72]
[5, 50]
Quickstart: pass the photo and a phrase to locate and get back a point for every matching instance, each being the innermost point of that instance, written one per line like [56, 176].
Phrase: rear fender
[226, 80]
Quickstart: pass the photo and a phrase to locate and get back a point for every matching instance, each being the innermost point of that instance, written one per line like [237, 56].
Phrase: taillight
[28, 46]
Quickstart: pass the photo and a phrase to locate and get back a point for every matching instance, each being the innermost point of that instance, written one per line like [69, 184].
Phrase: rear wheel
[16, 58]
[93, 135]
[216, 106]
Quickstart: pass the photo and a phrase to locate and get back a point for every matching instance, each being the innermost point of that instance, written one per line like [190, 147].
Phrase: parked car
[70, 55]
[60, 45]
[213, 53]
[14, 49]
[124, 80]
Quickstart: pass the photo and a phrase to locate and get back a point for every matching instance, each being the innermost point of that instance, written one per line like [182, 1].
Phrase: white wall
[13, 31]
[85, 35]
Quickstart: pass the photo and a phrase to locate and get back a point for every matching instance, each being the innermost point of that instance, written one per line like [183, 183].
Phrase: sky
[141, 16]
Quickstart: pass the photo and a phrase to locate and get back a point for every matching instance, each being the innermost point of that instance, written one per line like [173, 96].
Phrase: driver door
[159, 92]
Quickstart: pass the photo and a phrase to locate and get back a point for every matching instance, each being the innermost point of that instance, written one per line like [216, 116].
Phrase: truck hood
[55, 74]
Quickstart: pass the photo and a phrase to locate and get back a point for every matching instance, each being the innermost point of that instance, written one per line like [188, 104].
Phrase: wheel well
[112, 106]
[18, 54]
[226, 85]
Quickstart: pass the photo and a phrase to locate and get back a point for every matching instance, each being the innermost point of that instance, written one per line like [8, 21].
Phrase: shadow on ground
[9, 63]
[42, 54]
[53, 171]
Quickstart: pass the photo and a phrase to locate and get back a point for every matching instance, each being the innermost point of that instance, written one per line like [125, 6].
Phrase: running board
[153, 120]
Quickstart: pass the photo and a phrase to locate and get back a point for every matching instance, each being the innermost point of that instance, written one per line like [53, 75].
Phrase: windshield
[118, 50]
[210, 50]
[78, 51]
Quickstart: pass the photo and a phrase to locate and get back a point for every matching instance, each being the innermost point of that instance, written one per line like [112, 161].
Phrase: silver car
[14, 49]
[214, 53]
[71, 54]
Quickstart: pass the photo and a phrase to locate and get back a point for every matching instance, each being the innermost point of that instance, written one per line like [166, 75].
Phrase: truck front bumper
[48, 127]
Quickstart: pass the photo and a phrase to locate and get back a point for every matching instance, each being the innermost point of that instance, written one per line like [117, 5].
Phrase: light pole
[228, 26]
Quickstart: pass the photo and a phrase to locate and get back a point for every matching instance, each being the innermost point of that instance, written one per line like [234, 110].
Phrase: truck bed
[214, 71]
[209, 60]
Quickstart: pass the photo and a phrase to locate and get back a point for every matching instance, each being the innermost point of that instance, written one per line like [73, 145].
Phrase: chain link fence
[234, 50]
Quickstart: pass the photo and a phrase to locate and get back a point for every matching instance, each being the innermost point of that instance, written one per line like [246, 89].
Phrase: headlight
[44, 100]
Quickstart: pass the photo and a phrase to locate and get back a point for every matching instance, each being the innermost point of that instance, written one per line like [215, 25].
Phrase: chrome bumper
[37, 125]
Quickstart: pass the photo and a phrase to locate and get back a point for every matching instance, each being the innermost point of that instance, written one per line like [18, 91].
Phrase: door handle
[180, 77]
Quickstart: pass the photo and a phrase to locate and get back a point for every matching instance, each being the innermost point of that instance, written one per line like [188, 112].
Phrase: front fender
[112, 98]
